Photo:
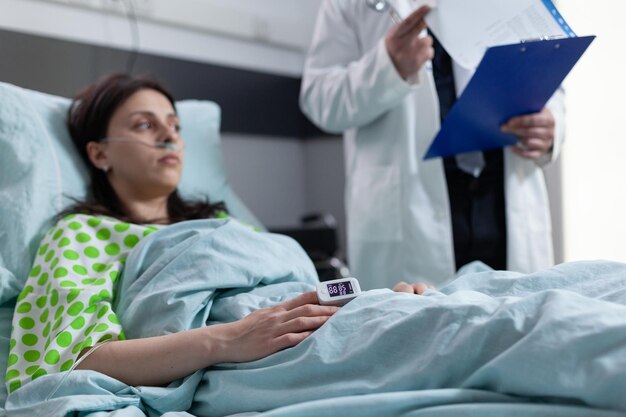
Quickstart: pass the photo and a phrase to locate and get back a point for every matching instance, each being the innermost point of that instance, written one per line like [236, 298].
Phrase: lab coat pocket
[375, 199]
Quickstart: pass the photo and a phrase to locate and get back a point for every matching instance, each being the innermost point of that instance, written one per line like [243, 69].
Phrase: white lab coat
[398, 211]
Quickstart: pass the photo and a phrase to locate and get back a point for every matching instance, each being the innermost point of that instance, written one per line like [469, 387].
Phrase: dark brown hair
[88, 120]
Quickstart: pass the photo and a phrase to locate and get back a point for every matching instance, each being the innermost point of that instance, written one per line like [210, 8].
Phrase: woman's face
[145, 119]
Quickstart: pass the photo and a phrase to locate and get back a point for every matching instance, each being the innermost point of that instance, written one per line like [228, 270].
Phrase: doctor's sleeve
[341, 87]
[556, 105]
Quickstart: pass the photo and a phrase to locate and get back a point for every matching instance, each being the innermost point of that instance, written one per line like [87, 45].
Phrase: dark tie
[469, 162]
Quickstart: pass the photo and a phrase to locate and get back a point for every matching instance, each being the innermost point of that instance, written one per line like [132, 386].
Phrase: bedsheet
[490, 343]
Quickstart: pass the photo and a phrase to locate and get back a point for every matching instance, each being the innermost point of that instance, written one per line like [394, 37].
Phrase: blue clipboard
[510, 80]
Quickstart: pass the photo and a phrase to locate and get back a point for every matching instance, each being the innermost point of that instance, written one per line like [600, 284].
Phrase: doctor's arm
[161, 359]
[343, 88]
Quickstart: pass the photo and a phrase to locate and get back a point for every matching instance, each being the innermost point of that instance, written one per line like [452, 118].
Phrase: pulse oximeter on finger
[338, 291]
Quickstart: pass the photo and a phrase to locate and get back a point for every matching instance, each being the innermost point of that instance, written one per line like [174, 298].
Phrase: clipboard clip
[539, 39]
[542, 38]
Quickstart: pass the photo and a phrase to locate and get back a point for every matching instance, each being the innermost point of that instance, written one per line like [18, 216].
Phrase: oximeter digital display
[338, 292]
[340, 288]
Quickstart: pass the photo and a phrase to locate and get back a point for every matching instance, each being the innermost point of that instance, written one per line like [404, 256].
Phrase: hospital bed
[40, 172]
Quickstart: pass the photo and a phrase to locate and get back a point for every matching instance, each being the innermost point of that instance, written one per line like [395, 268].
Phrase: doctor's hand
[535, 133]
[407, 51]
[268, 330]
[417, 288]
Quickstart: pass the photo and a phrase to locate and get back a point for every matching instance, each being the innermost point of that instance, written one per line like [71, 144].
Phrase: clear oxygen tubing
[82, 358]
[170, 146]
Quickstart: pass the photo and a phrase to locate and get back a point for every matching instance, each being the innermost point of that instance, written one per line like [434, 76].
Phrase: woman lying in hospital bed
[146, 288]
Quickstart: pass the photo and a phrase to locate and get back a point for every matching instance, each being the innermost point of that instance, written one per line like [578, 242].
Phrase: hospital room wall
[593, 166]
[282, 177]
[279, 176]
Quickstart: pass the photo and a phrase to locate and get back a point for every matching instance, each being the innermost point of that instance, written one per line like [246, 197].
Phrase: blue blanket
[490, 343]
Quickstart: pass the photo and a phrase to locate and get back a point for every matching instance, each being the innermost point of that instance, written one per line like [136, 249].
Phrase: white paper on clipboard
[466, 28]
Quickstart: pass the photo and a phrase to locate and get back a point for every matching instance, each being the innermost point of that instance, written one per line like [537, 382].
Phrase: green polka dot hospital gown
[65, 305]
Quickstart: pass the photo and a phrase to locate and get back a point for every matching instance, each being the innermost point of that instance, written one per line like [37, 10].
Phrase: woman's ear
[97, 156]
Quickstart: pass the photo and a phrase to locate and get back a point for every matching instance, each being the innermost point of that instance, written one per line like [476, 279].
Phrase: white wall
[282, 179]
[325, 180]
[234, 33]
[269, 174]
[593, 167]
[272, 174]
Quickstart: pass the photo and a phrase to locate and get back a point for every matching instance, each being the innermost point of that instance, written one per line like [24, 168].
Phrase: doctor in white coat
[372, 81]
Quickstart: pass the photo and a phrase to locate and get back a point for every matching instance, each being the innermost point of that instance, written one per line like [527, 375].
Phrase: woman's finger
[289, 340]
[302, 324]
[419, 288]
[403, 287]
[309, 297]
[310, 310]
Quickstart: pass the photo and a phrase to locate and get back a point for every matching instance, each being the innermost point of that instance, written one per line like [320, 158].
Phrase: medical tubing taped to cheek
[78, 362]
[170, 146]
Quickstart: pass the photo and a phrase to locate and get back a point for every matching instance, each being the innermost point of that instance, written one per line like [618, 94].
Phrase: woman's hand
[159, 360]
[416, 288]
[535, 133]
[268, 330]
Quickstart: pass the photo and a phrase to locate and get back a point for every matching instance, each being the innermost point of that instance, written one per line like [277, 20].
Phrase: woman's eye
[143, 125]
